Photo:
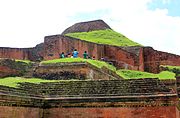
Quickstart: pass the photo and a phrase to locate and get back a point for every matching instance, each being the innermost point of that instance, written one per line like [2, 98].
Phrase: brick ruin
[136, 58]
[148, 98]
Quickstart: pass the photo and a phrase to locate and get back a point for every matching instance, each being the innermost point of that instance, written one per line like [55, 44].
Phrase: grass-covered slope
[109, 37]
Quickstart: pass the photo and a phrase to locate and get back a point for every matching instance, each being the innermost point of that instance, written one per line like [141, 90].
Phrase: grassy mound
[13, 81]
[109, 37]
[96, 63]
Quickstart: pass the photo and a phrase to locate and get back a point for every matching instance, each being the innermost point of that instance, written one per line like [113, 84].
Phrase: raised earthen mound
[87, 26]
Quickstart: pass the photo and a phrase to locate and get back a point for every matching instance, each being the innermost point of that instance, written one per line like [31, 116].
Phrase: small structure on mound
[87, 26]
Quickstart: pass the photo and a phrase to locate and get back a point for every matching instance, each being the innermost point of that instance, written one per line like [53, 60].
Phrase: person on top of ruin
[85, 55]
[69, 55]
[93, 58]
[62, 55]
[75, 53]
[102, 59]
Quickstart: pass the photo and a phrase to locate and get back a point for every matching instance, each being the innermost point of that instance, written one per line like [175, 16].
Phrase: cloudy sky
[156, 23]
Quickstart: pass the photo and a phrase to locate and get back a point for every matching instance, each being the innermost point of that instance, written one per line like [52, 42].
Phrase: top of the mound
[87, 26]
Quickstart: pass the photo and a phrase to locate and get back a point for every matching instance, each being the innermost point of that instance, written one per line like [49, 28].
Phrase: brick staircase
[89, 88]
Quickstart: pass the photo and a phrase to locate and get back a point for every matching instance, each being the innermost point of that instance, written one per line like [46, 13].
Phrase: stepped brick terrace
[35, 83]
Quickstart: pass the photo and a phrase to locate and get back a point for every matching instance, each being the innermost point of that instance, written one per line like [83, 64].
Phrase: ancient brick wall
[54, 45]
[109, 112]
[153, 59]
[10, 67]
[22, 53]
[140, 112]
[20, 112]
[78, 71]
[6, 71]
[123, 58]
[15, 53]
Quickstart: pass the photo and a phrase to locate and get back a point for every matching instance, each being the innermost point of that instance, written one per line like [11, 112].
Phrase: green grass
[100, 64]
[174, 69]
[25, 61]
[171, 67]
[64, 60]
[96, 63]
[132, 74]
[13, 81]
[164, 75]
[109, 37]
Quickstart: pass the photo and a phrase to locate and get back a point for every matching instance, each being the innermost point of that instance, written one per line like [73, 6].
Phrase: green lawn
[13, 81]
[108, 36]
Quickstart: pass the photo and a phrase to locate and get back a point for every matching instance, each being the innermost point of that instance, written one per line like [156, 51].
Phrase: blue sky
[173, 6]
[156, 23]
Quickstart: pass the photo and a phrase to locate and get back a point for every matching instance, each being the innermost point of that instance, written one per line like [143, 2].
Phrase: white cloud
[24, 23]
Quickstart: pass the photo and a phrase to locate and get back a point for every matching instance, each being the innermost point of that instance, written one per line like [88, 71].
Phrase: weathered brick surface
[6, 71]
[121, 57]
[20, 112]
[56, 44]
[153, 59]
[136, 58]
[9, 67]
[15, 53]
[141, 112]
[22, 53]
[123, 112]
[74, 71]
